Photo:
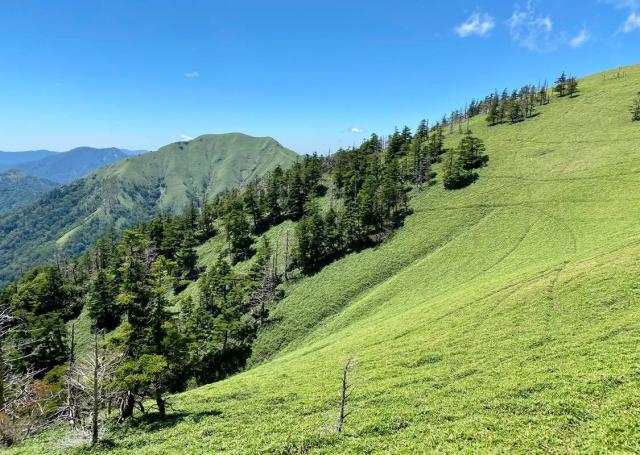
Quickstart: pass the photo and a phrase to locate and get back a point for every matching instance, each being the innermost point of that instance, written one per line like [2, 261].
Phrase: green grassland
[501, 318]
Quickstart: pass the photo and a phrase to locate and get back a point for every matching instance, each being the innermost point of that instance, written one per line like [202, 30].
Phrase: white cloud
[355, 129]
[581, 38]
[184, 137]
[477, 24]
[531, 30]
[632, 23]
[192, 75]
[633, 19]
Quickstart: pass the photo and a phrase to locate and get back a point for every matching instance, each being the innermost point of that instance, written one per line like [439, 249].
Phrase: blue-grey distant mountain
[72, 165]
[134, 152]
[9, 160]
[18, 189]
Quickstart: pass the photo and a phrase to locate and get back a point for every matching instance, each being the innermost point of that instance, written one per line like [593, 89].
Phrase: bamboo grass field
[501, 318]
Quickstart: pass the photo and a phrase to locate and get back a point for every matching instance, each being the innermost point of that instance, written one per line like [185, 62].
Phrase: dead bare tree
[6, 326]
[88, 383]
[345, 394]
[263, 295]
[286, 255]
[25, 403]
[27, 407]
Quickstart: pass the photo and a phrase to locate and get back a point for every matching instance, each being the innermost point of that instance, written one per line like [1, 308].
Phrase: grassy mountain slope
[501, 318]
[72, 216]
[18, 188]
[9, 160]
[72, 165]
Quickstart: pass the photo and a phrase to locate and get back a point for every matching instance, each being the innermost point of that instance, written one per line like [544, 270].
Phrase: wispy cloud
[623, 4]
[532, 30]
[632, 23]
[479, 24]
[355, 129]
[184, 137]
[581, 38]
[192, 75]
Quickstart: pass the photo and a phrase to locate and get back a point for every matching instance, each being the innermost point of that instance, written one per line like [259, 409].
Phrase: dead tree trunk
[2, 373]
[95, 402]
[161, 404]
[126, 407]
[344, 397]
[286, 255]
[5, 327]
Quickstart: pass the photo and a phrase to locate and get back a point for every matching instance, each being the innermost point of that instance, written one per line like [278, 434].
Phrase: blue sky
[314, 75]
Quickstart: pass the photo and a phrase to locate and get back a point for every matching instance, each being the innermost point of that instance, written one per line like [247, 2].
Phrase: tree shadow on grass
[153, 422]
[149, 423]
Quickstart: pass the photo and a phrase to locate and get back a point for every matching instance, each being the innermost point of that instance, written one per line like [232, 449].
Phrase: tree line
[509, 107]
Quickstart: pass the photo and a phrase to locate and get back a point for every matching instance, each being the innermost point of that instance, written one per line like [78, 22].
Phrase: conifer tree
[352, 231]
[311, 175]
[454, 175]
[136, 288]
[436, 144]
[394, 147]
[310, 234]
[296, 196]
[635, 109]
[215, 286]
[190, 216]
[101, 299]
[333, 234]
[560, 86]
[542, 93]
[422, 132]
[238, 229]
[251, 199]
[393, 195]
[206, 228]
[572, 86]
[471, 151]
[515, 112]
[186, 257]
[370, 209]
[273, 197]
[493, 116]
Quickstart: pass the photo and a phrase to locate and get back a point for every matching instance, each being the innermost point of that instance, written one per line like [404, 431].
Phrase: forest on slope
[18, 188]
[65, 221]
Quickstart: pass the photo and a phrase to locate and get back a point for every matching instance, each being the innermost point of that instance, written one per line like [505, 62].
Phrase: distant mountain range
[134, 152]
[127, 192]
[63, 167]
[18, 189]
[10, 160]
[74, 164]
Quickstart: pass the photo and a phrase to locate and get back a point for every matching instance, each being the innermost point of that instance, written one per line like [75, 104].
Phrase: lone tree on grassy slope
[471, 151]
[458, 164]
[635, 109]
[345, 394]
[560, 86]
[572, 86]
